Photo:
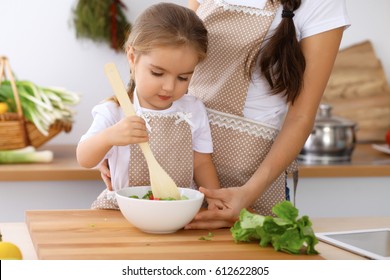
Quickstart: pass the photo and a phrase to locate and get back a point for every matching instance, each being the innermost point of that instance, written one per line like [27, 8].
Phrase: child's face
[162, 75]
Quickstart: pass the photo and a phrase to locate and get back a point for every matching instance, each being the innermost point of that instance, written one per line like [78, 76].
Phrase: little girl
[166, 42]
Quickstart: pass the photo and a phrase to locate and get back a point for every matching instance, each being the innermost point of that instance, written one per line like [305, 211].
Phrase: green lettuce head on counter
[285, 232]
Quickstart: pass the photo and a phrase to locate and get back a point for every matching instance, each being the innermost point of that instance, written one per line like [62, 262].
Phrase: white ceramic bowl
[158, 216]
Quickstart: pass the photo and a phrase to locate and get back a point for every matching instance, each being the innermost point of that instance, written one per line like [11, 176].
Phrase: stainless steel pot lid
[324, 118]
[322, 159]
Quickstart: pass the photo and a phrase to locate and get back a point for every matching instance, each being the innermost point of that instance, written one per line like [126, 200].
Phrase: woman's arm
[105, 173]
[320, 52]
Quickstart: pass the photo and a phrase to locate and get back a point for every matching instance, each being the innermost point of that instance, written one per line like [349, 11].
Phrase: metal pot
[333, 139]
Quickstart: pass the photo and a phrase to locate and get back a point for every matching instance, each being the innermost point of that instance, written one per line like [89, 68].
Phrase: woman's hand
[105, 174]
[220, 217]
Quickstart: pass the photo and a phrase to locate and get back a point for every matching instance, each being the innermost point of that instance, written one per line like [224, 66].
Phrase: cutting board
[106, 234]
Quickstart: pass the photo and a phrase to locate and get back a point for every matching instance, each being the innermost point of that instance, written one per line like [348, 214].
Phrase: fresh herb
[102, 21]
[25, 155]
[208, 237]
[285, 232]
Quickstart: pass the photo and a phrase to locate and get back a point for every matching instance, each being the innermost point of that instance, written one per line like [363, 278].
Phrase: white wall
[37, 37]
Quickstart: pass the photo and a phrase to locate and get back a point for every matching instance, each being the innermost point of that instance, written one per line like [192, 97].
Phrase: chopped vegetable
[149, 196]
[285, 232]
[208, 237]
[25, 155]
[42, 106]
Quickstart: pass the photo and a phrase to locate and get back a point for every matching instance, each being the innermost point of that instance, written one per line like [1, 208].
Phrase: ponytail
[281, 61]
[131, 88]
[130, 91]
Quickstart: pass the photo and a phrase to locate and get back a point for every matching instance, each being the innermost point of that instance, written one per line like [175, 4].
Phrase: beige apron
[240, 144]
[170, 139]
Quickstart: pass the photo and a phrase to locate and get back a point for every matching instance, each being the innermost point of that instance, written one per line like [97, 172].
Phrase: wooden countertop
[366, 162]
[106, 234]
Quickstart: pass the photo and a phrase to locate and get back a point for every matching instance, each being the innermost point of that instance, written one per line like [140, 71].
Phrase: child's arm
[130, 130]
[205, 175]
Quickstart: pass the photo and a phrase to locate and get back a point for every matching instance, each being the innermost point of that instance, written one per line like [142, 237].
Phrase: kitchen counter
[105, 234]
[64, 167]
[18, 234]
[365, 162]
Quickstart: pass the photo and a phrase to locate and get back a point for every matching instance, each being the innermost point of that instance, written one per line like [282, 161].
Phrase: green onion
[42, 106]
[25, 155]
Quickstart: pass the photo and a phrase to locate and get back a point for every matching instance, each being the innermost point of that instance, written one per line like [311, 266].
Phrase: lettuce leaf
[285, 232]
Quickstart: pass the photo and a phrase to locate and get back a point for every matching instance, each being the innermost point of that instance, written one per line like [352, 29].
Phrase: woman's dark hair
[281, 60]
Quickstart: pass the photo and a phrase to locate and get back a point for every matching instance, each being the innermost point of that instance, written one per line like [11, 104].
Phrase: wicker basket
[15, 131]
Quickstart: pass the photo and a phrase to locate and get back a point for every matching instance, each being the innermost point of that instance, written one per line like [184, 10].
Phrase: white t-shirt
[108, 113]
[312, 17]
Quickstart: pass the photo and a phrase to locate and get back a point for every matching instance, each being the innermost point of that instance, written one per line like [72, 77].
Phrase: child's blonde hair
[166, 24]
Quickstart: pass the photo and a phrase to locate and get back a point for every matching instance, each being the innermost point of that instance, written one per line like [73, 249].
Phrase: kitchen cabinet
[357, 188]
[360, 187]
[343, 196]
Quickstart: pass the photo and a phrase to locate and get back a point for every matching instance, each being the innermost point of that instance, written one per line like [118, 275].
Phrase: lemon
[3, 107]
[9, 251]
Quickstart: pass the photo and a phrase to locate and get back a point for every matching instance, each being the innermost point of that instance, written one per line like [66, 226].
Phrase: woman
[267, 68]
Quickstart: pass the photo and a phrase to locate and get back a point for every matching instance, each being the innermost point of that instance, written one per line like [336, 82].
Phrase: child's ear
[131, 56]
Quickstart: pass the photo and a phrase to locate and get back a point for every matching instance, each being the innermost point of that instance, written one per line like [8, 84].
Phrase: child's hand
[214, 204]
[130, 130]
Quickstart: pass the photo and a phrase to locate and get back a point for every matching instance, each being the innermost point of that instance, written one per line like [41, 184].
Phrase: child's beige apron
[171, 142]
[240, 144]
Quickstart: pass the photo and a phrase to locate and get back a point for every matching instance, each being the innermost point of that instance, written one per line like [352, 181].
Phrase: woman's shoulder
[324, 6]
[316, 16]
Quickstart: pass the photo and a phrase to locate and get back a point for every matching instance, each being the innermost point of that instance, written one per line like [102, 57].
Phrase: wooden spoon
[161, 183]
